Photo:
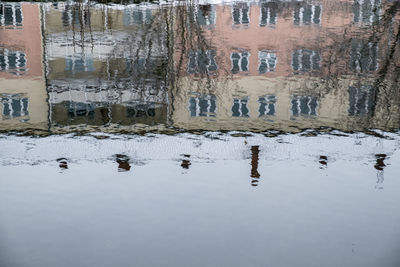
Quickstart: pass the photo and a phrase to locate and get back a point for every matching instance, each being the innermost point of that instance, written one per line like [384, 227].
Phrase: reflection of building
[99, 69]
[250, 65]
[23, 97]
[286, 66]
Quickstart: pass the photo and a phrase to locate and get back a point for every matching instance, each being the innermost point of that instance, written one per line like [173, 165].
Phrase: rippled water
[200, 133]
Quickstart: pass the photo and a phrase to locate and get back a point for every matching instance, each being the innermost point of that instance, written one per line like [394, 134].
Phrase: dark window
[137, 16]
[267, 61]
[201, 61]
[79, 109]
[361, 100]
[14, 106]
[240, 61]
[78, 64]
[202, 106]
[363, 56]
[206, 15]
[139, 111]
[75, 14]
[307, 14]
[366, 11]
[136, 65]
[11, 15]
[305, 60]
[240, 13]
[269, 12]
[304, 105]
[13, 62]
[267, 105]
[240, 108]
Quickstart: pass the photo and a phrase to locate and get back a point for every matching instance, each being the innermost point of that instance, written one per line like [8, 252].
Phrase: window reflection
[135, 65]
[269, 12]
[307, 14]
[267, 61]
[240, 61]
[361, 100]
[137, 16]
[79, 109]
[206, 14]
[240, 13]
[202, 106]
[267, 105]
[240, 108]
[142, 110]
[306, 60]
[75, 14]
[77, 64]
[304, 105]
[13, 62]
[202, 62]
[14, 106]
[363, 56]
[11, 15]
[366, 11]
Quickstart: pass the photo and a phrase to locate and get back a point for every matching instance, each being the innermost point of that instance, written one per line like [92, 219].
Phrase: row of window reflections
[361, 102]
[303, 14]
[80, 109]
[363, 58]
[205, 106]
[364, 11]
[80, 15]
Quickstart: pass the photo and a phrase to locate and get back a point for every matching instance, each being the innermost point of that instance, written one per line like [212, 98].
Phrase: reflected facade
[248, 66]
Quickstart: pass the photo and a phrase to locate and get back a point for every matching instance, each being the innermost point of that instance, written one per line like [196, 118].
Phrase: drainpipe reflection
[379, 166]
[254, 165]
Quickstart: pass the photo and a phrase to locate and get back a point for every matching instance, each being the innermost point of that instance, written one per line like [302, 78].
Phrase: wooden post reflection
[254, 165]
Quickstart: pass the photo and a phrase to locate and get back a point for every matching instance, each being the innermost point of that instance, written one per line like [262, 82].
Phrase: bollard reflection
[62, 163]
[323, 160]
[186, 162]
[123, 163]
